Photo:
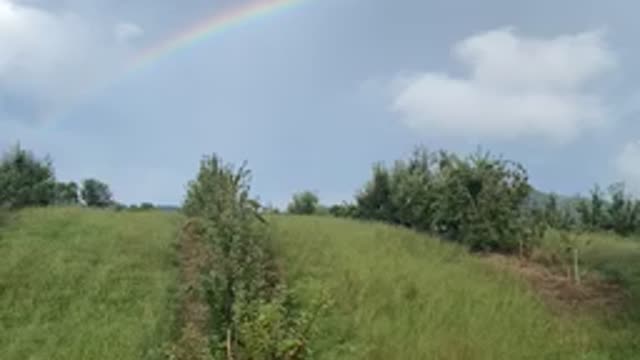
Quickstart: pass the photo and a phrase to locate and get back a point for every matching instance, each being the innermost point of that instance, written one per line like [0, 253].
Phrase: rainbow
[211, 26]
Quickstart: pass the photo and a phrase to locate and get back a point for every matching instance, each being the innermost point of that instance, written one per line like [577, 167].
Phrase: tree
[95, 193]
[146, 206]
[304, 203]
[25, 180]
[593, 212]
[345, 209]
[66, 193]
[374, 201]
[479, 200]
[623, 211]
[552, 214]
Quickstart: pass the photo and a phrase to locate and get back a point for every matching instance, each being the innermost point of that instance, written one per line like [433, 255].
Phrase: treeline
[254, 316]
[480, 200]
[615, 210]
[26, 180]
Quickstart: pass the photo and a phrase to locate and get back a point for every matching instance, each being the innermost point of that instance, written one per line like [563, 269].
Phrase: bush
[95, 193]
[304, 203]
[146, 206]
[66, 193]
[618, 212]
[25, 180]
[556, 218]
[623, 213]
[478, 200]
[4, 217]
[344, 210]
[250, 306]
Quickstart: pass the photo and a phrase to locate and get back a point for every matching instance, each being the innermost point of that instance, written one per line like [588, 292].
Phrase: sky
[313, 95]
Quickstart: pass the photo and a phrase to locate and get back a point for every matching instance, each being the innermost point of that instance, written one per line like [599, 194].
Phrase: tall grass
[617, 259]
[401, 295]
[83, 284]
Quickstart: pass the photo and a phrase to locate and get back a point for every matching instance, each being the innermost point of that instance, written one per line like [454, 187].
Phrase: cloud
[628, 166]
[126, 32]
[48, 59]
[516, 86]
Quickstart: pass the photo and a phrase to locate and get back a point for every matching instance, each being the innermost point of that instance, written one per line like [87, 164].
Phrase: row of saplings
[254, 316]
[481, 201]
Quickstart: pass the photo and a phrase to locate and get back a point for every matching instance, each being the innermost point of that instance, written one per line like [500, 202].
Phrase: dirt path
[193, 341]
[556, 287]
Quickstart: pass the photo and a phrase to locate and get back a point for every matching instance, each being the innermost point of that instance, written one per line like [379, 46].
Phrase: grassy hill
[90, 284]
[84, 284]
[401, 295]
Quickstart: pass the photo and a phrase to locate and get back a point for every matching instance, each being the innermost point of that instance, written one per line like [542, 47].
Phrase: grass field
[88, 284]
[84, 284]
[615, 257]
[401, 295]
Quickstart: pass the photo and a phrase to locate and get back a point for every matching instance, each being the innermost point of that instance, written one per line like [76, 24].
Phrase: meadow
[97, 284]
[398, 294]
[86, 284]
[438, 257]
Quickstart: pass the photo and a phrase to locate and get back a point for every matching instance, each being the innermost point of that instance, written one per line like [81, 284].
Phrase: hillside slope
[401, 295]
[83, 284]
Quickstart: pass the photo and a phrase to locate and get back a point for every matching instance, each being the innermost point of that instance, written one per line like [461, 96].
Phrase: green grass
[402, 295]
[618, 260]
[84, 284]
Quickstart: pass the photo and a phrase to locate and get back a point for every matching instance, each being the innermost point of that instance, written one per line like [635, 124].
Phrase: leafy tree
[374, 201]
[304, 203]
[481, 201]
[254, 314]
[478, 200]
[271, 209]
[25, 180]
[146, 206]
[552, 212]
[66, 193]
[623, 211]
[413, 197]
[593, 212]
[219, 189]
[344, 210]
[95, 193]
[119, 207]
[558, 218]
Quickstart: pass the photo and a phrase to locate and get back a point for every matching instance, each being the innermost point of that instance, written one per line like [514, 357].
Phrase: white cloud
[516, 86]
[48, 59]
[628, 166]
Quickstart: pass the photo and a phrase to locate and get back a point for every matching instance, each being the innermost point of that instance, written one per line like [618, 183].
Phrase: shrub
[623, 212]
[592, 212]
[146, 206]
[346, 210]
[66, 193]
[478, 200]
[481, 201]
[95, 193]
[304, 203]
[25, 180]
[251, 309]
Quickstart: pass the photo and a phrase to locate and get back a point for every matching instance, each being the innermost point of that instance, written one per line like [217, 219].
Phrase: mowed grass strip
[402, 295]
[87, 284]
